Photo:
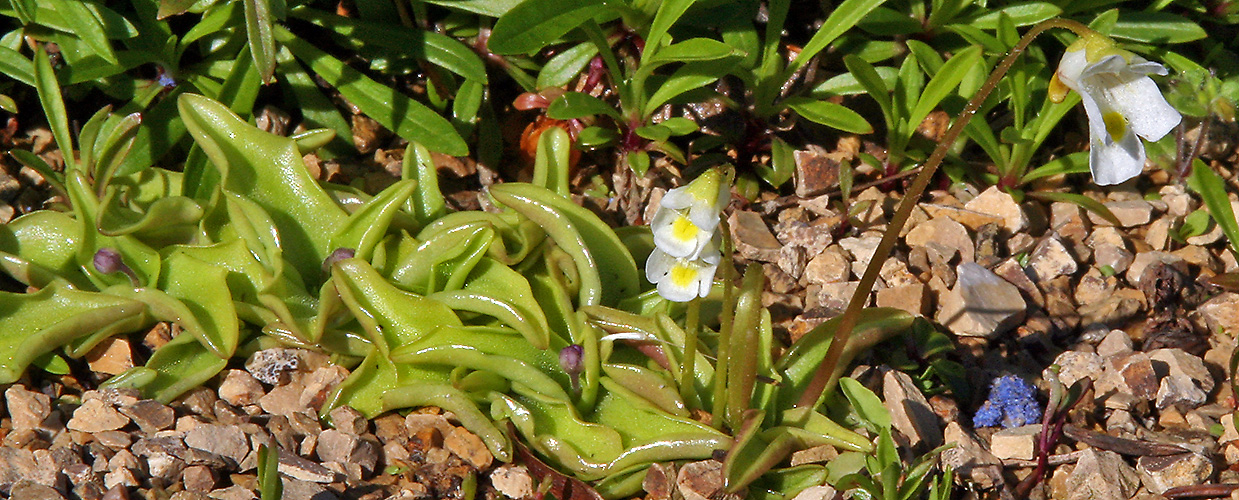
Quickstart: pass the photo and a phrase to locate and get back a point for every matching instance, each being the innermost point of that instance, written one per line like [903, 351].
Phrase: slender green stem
[847, 323]
[688, 378]
[726, 319]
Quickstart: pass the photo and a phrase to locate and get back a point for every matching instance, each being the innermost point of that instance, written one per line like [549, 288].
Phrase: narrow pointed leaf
[1088, 203]
[579, 105]
[1212, 190]
[669, 11]
[16, 66]
[1074, 163]
[86, 27]
[944, 81]
[830, 114]
[867, 405]
[436, 48]
[534, 24]
[841, 19]
[258, 32]
[691, 76]
[53, 106]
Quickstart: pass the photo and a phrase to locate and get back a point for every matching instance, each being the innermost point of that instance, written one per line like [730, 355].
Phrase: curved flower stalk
[1102, 83]
[1121, 101]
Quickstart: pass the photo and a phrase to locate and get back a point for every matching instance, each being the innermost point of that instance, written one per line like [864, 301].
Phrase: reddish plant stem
[847, 323]
[890, 178]
[1051, 432]
[1201, 491]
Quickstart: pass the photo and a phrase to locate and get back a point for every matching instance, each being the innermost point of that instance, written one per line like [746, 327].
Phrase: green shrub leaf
[534, 24]
[1156, 27]
[579, 105]
[830, 114]
[1212, 190]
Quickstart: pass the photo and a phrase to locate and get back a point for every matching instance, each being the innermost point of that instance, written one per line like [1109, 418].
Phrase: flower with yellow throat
[1121, 102]
[686, 253]
[681, 279]
[688, 215]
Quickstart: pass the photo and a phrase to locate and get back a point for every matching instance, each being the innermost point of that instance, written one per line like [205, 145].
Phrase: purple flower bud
[337, 255]
[165, 78]
[108, 260]
[572, 360]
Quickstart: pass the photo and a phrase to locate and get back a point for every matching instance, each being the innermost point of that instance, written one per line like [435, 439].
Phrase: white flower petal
[1146, 67]
[1092, 109]
[680, 280]
[1109, 66]
[658, 265]
[677, 199]
[705, 279]
[1121, 102]
[1146, 109]
[1071, 67]
[710, 253]
[677, 235]
[1114, 162]
[1111, 161]
[703, 214]
[681, 284]
[724, 196]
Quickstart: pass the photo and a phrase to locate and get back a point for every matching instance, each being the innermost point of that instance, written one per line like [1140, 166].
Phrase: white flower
[1121, 102]
[676, 234]
[688, 215]
[686, 255]
[681, 279]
